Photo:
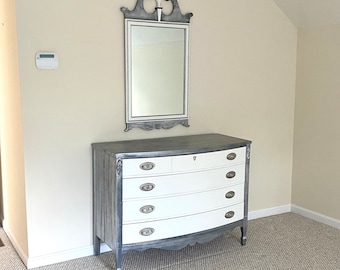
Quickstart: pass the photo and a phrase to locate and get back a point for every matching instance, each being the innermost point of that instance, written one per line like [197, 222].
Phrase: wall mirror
[156, 66]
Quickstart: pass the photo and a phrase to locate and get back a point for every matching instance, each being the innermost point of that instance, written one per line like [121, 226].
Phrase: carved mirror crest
[156, 66]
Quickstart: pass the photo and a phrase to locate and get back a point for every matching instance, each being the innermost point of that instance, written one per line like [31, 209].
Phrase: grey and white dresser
[168, 193]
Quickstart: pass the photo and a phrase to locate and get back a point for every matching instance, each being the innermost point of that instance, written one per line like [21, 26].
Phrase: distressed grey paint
[140, 13]
[107, 180]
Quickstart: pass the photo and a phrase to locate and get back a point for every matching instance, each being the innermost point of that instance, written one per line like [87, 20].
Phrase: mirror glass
[156, 71]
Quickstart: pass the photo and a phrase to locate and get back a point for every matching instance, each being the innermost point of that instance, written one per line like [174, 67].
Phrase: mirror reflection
[158, 67]
[157, 70]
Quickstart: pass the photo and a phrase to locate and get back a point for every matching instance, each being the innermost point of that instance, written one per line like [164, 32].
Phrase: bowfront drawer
[209, 160]
[158, 186]
[170, 207]
[138, 167]
[149, 231]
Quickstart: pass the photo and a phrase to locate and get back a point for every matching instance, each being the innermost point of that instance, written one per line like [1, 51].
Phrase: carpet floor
[286, 241]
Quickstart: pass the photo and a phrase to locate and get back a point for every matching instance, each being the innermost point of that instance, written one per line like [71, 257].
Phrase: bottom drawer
[156, 230]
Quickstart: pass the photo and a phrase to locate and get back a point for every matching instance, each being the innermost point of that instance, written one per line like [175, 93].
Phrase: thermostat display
[46, 60]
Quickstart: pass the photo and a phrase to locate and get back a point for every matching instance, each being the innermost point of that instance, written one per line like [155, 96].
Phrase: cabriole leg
[96, 245]
[243, 235]
[119, 258]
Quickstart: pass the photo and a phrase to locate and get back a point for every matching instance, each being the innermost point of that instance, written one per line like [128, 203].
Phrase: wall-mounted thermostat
[46, 60]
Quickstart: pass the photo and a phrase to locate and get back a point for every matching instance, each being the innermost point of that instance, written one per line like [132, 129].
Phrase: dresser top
[171, 145]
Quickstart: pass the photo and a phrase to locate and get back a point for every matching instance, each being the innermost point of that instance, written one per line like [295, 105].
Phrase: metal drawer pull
[230, 174]
[231, 156]
[230, 214]
[230, 194]
[147, 187]
[147, 231]
[147, 166]
[147, 209]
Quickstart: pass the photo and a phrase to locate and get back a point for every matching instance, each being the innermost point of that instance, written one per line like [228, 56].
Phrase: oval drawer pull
[230, 214]
[147, 231]
[147, 209]
[147, 166]
[231, 156]
[230, 174]
[147, 187]
[230, 194]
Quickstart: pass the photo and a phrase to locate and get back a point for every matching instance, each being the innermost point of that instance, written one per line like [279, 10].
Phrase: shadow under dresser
[168, 193]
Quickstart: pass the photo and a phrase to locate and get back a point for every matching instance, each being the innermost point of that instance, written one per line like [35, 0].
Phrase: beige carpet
[286, 241]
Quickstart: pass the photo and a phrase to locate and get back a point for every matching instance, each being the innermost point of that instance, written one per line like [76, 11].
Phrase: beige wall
[242, 68]
[12, 160]
[316, 171]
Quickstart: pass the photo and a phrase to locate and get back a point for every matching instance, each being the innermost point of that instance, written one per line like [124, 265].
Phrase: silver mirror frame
[175, 16]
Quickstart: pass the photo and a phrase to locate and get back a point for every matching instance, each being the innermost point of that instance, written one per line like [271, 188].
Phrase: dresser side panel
[105, 196]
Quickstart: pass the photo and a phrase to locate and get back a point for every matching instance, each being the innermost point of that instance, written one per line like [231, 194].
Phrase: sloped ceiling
[311, 13]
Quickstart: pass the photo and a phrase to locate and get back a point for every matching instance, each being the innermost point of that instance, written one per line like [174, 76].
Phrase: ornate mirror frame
[155, 19]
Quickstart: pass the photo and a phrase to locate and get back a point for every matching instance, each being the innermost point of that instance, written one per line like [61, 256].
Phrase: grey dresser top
[171, 145]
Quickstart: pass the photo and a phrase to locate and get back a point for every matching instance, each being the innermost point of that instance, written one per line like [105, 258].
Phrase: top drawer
[140, 167]
[209, 160]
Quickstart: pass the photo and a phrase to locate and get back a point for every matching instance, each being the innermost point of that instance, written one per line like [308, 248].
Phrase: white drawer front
[138, 167]
[149, 231]
[182, 183]
[170, 207]
[209, 160]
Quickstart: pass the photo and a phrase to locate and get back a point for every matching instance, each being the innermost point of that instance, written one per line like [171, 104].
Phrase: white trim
[63, 256]
[23, 256]
[104, 248]
[269, 212]
[316, 216]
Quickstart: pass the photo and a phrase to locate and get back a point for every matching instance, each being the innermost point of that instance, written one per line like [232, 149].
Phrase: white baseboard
[48, 259]
[23, 256]
[63, 256]
[316, 216]
[269, 212]
[104, 248]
